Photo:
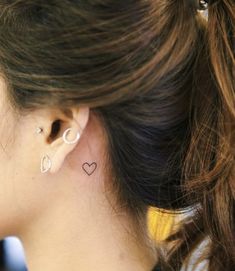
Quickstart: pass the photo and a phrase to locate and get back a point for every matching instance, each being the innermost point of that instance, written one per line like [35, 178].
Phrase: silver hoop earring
[45, 163]
[66, 140]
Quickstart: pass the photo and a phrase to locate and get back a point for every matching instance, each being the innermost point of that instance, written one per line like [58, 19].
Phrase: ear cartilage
[66, 140]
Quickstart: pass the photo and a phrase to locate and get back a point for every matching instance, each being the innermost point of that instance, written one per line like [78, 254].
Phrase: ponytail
[219, 205]
[209, 166]
[221, 38]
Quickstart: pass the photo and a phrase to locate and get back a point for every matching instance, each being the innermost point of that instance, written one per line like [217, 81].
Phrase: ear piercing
[46, 162]
[66, 140]
[39, 130]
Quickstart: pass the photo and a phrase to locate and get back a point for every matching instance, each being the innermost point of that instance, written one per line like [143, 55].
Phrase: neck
[68, 238]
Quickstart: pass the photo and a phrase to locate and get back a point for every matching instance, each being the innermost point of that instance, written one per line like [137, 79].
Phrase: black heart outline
[89, 166]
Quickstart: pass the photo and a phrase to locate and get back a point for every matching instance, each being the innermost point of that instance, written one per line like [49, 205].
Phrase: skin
[62, 217]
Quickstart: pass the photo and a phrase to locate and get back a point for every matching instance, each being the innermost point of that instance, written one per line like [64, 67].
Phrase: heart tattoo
[89, 168]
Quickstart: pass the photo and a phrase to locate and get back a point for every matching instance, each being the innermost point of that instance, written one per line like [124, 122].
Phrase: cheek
[20, 190]
[8, 174]
[19, 168]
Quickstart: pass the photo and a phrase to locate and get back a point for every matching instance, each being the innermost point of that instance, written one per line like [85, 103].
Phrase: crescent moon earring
[45, 163]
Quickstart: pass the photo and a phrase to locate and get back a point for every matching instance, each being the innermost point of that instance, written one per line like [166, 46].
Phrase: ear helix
[46, 161]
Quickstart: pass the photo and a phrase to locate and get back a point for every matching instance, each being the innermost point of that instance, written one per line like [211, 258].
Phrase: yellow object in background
[160, 224]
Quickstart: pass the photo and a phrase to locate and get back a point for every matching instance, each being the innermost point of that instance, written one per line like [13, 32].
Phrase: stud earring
[39, 130]
[45, 163]
[66, 140]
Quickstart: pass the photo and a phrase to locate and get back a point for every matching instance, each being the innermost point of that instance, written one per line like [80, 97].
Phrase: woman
[108, 108]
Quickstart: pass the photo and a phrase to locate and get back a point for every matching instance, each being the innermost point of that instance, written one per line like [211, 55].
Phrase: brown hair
[161, 79]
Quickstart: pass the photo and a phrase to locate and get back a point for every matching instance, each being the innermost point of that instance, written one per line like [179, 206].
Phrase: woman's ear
[68, 133]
